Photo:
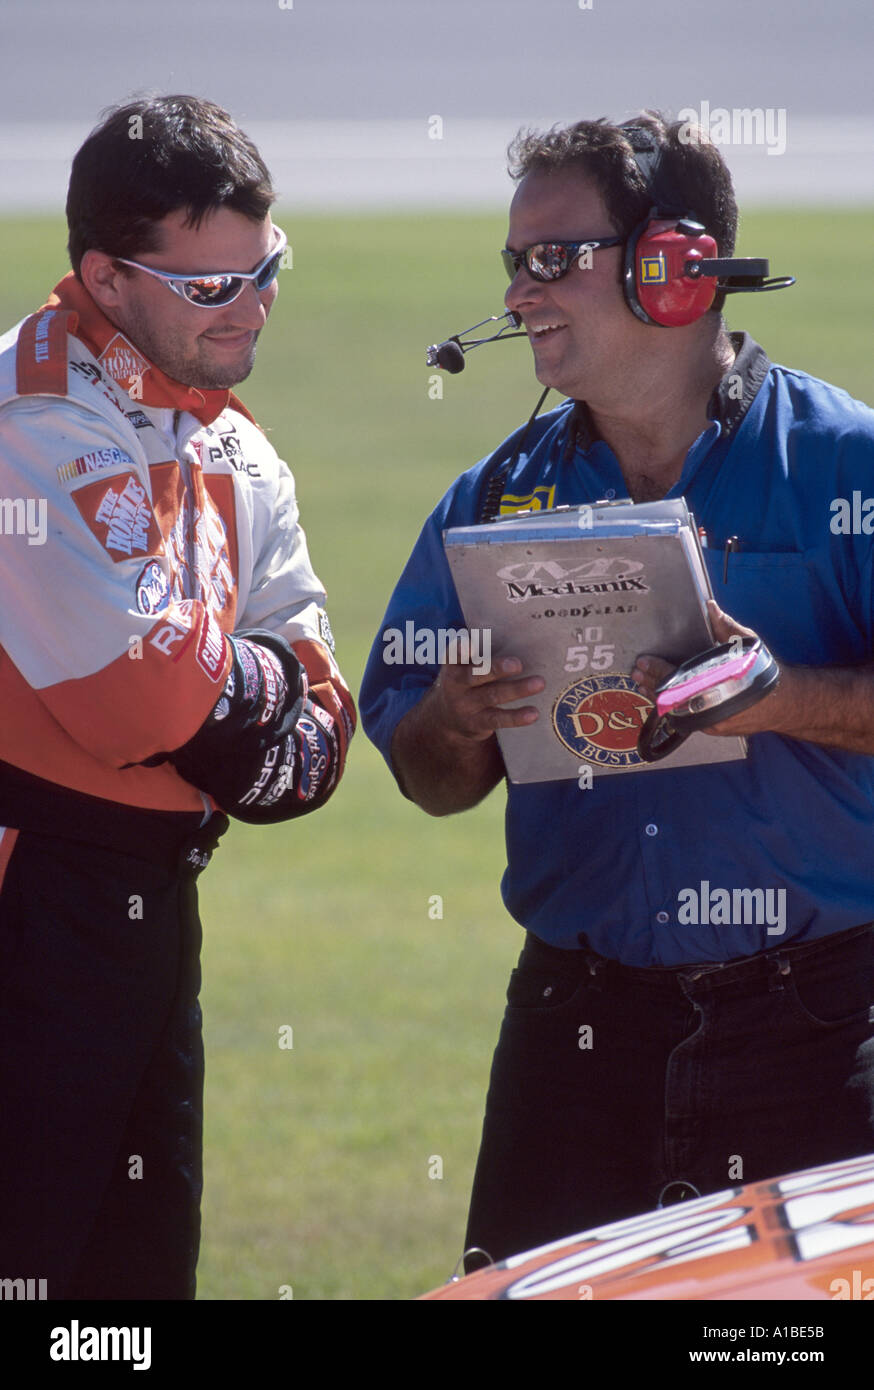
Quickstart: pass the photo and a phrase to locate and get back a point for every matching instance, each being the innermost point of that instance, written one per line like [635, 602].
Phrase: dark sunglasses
[550, 260]
[214, 291]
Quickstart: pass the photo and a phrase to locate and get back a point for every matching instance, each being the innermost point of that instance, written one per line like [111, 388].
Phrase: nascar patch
[94, 462]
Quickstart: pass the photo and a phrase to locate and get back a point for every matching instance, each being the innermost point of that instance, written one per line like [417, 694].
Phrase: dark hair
[690, 166]
[152, 157]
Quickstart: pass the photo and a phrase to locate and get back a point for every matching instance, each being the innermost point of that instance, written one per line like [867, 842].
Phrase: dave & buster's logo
[600, 718]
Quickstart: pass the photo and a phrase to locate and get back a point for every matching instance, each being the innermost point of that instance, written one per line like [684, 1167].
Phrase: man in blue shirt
[657, 1043]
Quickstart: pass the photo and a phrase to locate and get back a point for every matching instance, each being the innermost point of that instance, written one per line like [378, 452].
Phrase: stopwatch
[705, 689]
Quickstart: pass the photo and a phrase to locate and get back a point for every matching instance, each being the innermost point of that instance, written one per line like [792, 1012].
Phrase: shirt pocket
[789, 600]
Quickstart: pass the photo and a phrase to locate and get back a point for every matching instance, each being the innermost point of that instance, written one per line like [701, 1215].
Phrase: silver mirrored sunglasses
[217, 289]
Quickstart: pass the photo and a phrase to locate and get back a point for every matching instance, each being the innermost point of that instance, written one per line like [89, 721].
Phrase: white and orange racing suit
[142, 524]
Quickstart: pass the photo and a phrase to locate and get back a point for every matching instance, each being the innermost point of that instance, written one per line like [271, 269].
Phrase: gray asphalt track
[340, 92]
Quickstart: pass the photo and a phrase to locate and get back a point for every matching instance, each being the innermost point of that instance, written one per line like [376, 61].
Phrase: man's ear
[101, 276]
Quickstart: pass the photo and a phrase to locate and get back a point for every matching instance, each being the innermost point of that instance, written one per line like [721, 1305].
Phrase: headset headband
[734, 275]
[649, 156]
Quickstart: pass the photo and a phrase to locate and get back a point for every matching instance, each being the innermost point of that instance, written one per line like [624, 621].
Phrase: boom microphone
[450, 354]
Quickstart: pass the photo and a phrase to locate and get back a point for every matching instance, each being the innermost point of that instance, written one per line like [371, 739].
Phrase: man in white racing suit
[165, 662]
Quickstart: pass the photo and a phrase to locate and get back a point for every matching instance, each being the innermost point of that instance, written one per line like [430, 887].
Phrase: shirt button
[652, 830]
[610, 494]
[663, 917]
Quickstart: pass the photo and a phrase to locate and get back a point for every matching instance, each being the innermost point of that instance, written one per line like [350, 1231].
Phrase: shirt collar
[727, 404]
[124, 362]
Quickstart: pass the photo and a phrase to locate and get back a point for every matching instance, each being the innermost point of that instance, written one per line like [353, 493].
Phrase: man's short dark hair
[692, 165]
[152, 157]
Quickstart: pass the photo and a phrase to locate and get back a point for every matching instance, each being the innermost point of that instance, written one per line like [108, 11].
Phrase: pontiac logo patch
[600, 718]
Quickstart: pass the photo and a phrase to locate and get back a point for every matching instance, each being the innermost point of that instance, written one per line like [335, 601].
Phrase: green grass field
[318, 1157]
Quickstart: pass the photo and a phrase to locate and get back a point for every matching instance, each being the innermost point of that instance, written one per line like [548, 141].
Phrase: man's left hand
[763, 717]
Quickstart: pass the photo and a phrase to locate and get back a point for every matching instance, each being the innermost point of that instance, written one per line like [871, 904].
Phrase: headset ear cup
[657, 289]
[630, 274]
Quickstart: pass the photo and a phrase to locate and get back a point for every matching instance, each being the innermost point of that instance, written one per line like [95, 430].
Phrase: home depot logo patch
[120, 515]
[122, 361]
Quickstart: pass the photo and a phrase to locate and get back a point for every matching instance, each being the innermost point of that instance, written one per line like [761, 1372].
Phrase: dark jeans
[696, 1079]
[101, 1069]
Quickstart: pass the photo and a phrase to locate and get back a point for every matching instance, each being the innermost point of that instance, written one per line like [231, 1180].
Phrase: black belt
[664, 979]
[35, 806]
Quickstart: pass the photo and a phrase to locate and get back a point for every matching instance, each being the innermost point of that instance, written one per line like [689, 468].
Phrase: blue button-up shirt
[663, 867]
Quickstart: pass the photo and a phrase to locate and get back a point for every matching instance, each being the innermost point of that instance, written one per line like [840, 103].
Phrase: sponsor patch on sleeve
[94, 462]
[119, 514]
[139, 419]
[153, 589]
[210, 651]
[325, 632]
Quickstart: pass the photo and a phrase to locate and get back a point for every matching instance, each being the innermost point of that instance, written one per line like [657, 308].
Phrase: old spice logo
[126, 514]
[153, 589]
[122, 361]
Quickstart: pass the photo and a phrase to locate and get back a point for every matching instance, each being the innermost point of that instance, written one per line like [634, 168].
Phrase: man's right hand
[444, 752]
[269, 750]
[471, 705]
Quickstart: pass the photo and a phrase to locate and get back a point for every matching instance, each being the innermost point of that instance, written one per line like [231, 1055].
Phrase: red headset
[672, 272]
